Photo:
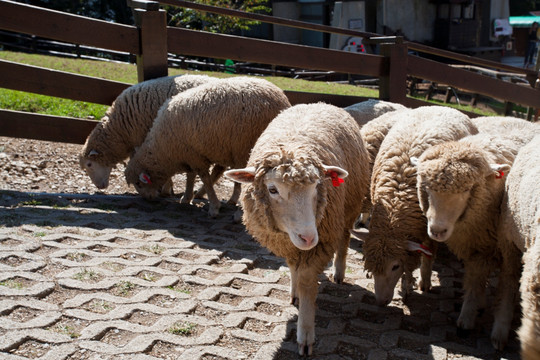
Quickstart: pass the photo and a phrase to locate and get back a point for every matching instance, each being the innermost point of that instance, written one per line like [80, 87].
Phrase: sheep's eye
[272, 190]
[89, 164]
[395, 267]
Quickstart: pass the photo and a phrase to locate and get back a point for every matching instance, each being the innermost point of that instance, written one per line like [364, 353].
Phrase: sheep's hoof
[305, 349]
[425, 287]
[294, 301]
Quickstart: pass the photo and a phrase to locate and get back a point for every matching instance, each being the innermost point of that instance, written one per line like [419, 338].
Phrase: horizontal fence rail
[57, 25]
[56, 83]
[188, 42]
[473, 82]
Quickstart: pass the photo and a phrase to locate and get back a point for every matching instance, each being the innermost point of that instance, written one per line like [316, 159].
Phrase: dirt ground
[106, 275]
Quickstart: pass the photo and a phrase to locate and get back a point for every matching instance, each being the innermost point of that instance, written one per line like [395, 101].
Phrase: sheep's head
[449, 175]
[148, 184]
[293, 194]
[92, 163]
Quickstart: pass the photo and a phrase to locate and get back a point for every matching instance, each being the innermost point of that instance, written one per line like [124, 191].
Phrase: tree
[199, 20]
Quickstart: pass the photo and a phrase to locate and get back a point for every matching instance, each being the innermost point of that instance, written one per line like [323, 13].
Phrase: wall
[413, 18]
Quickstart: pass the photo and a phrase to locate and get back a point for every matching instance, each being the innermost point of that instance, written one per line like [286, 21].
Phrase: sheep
[374, 127]
[126, 123]
[295, 202]
[460, 189]
[215, 123]
[520, 226]
[365, 111]
[397, 233]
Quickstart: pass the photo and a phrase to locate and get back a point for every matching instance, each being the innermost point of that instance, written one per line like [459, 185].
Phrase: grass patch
[12, 284]
[78, 256]
[66, 330]
[124, 288]
[183, 328]
[40, 234]
[87, 275]
[154, 249]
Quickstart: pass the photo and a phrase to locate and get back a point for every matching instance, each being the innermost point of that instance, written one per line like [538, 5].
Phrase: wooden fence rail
[150, 40]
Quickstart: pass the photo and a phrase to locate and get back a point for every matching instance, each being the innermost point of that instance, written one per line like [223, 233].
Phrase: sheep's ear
[93, 153]
[414, 246]
[414, 161]
[499, 170]
[332, 171]
[145, 178]
[246, 175]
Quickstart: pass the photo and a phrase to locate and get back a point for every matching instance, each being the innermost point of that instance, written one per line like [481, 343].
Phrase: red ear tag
[500, 176]
[336, 180]
[145, 179]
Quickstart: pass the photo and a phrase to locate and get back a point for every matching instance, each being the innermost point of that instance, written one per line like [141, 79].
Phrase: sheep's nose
[437, 232]
[308, 239]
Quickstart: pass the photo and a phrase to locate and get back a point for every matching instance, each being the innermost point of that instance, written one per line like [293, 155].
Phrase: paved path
[111, 277]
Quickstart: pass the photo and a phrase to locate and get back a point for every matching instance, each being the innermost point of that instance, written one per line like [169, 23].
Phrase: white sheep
[397, 232]
[460, 188]
[365, 111]
[520, 226]
[370, 115]
[296, 203]
[126, 123]
[214, 123]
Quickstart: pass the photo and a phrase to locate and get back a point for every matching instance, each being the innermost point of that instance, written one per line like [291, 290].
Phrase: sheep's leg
[426, 266]
[294, 283]
[340, 261]
[307, 287]
[167, 188]
[507, 295]
[217, 171]
[215, 204]
[188, 193]
[474, 284]
[237, 189]
[407, 284]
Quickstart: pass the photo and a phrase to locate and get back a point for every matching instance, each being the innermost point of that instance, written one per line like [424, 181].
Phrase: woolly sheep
[397, 228]
[374, 125]
[215, 123]
[295, 204]
[365, 111]
[460, 189]
[126, 123]
[520, 226]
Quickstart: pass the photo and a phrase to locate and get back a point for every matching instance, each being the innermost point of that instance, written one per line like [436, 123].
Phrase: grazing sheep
[460, 189]
[127, 122]
[296, 203]
[520, 225]
[397, 230]
[215, 123]
[365, 111]
[374, 127]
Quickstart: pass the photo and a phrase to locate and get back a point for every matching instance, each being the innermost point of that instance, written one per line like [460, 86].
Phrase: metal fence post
[393, 86]
[152, 23]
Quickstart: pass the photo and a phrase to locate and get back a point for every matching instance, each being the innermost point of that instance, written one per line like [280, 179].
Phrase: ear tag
[145, 179]
[336, 180]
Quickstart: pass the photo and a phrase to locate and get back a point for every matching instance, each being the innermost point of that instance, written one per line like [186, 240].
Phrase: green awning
[523, 21]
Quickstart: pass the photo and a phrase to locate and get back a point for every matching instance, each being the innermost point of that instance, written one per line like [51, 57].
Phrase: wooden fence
[150, 40]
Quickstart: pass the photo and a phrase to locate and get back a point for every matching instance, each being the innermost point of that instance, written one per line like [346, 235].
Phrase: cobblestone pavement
[117, 277]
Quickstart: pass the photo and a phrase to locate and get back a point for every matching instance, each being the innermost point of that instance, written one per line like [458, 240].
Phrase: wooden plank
[470, 81]
[25, 125]
[198, 43]
[298, 97]
[62, 26]
[49, 82]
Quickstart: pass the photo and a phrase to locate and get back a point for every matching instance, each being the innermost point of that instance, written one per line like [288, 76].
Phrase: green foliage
[200, 20]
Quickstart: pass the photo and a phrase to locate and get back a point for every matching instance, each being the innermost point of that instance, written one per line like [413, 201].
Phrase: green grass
[22, 101]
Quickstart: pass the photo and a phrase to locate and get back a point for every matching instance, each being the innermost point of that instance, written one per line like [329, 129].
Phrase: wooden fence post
[152, 23]
[393, 86]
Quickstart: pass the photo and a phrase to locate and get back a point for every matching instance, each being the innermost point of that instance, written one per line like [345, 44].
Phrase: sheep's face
[386, 281]
[443, 211]
[294, 207]
[98, 172]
